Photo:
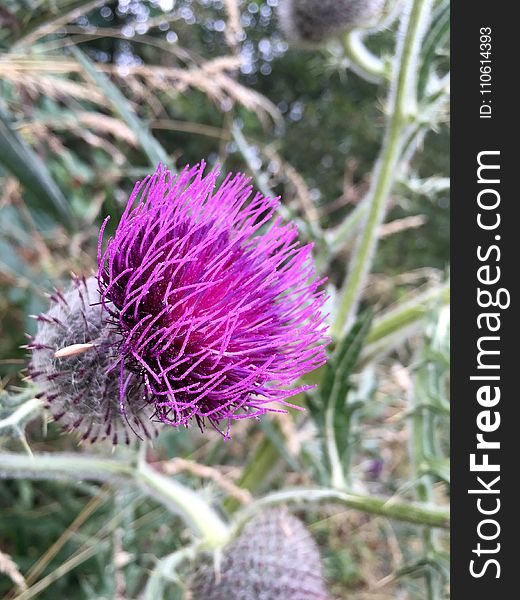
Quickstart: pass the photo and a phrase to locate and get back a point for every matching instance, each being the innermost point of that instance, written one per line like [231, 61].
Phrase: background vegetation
[93, 94]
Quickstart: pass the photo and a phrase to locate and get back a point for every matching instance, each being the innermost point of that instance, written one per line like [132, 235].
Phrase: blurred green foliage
[314, 130]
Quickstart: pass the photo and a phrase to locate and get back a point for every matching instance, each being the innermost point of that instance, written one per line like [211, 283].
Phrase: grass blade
[151, 147]
[24, 164]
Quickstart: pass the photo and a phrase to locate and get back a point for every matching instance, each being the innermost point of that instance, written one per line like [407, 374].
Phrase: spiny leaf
[436, 38]
[333, 414]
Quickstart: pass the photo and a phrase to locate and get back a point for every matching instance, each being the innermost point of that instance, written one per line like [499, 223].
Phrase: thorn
[57, 322]
[61, 298]
[54, 376]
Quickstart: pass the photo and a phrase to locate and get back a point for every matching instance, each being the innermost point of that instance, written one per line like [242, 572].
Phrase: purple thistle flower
[216, 302]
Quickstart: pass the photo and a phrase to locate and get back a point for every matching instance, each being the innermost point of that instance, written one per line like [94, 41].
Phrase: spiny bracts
[315, 21]
[273, 558]
[82, 390]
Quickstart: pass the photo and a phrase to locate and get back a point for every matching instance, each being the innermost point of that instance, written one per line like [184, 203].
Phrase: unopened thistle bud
[317, 20]
[273, 558]
[74, 364]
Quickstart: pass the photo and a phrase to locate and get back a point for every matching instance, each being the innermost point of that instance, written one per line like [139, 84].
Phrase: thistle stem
[196, 512]
[402, 105]
[187, 503]
[410, 512]
[25, 412]
[184, 501]
[362, 61]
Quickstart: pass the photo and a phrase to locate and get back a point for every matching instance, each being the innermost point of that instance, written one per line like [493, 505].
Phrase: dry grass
[47, 75]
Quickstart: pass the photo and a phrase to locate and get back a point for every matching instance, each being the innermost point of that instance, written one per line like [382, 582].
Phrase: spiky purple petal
[216, 301]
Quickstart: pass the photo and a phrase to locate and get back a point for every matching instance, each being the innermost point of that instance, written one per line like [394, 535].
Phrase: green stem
[63, 466]
[25, 412]
[188, 504]
[197, 513]
[362, 61]
[410, 512]
[407, 313]
[401, 109]
[421, 448]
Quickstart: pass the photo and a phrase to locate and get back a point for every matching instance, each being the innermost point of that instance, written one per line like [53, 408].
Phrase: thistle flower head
[216, 302]
[274, 557]
[316, 20]
[73, 353]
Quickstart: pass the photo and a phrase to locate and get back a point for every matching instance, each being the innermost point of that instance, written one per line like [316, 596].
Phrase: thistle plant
[228, 353]
[196, 316]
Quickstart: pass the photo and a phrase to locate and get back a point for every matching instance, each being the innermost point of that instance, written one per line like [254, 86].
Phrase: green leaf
[151, 147]
[440, 467]
[333, 415]
[272, 431]
[436, 38]
[391, 328]
[23, 163]
[348, 356]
